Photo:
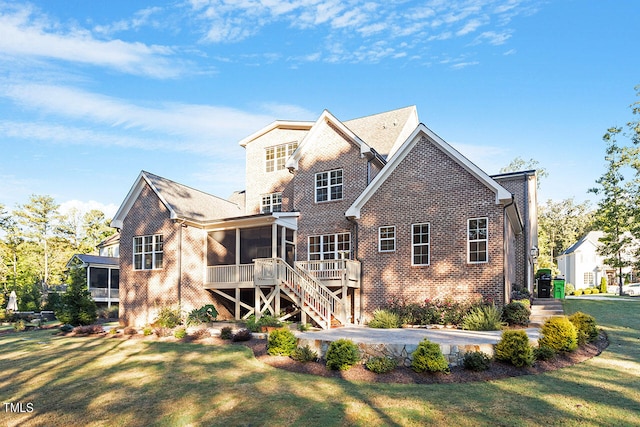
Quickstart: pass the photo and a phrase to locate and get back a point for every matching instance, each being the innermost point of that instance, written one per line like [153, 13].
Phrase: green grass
[105, 382]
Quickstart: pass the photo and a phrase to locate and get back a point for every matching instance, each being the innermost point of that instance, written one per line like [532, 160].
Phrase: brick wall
[144, 292]
[429, 187]
[330, 150]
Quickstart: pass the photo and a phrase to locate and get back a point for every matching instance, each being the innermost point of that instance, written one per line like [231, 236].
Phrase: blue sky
[91, 93]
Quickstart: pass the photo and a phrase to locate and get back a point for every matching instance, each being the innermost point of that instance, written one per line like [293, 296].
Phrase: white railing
[333, 269]
[313, 297]
[230, 273]
[104, 293]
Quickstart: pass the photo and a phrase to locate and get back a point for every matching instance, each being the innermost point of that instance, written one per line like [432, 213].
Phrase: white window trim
[469, 241]
[386, 239]
[335, 252]
[289, 148]
[273, 197]
[328, 186]
[413, 245]
[153, 252]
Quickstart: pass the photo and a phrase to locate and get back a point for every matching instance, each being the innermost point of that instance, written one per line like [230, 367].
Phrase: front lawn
[94, 381]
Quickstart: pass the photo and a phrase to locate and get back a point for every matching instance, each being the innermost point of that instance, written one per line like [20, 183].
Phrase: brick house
[336, 218]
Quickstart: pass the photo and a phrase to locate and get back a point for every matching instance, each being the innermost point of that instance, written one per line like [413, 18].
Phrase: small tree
[77, 307]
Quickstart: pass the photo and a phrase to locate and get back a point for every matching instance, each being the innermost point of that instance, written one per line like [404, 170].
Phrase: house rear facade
[336, 219]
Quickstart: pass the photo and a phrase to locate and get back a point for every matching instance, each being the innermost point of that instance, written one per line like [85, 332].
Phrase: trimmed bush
[577, 292]
[603, 285]
[429, 358]
[88, 329]
[67, 328]
[381, 365]
[130, 330]
[569, 289]
[586, 327]
[200, 333]
[587, 291]
[385, 319]
[342, 355]
[304, 354]
[516, 313]
[148, 330]
[226, 333]
[483, 318]
[514, 347]
[20, 325]
[180, 333]
[559, 334]
[543, 353]
[255, 325]
[281, 342]
[476, 361]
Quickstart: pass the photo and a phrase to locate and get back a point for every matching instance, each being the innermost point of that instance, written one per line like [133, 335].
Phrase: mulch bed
[402, 375]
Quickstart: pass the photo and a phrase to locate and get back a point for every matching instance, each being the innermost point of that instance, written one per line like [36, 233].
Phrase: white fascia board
[325, 117]
[502, 195]
[284, 124]
[132, 196]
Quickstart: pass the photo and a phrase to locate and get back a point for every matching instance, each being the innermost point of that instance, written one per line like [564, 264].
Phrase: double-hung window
[271, 203]
[387, 239]
[329, 246]
[421, 244]
[276, 157]
[588, 278]
[477, 240]
[147, 252]
[329, 186]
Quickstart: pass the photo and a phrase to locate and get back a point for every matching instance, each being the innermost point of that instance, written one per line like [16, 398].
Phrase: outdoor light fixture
[535, 252]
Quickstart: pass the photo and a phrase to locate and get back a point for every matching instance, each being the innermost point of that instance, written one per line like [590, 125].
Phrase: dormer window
[277, 156]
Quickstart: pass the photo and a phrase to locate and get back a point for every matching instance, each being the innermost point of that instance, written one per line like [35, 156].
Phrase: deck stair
[305, 290]
[544, 308]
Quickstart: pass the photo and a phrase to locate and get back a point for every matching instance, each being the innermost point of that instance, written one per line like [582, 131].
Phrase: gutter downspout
[525, 231]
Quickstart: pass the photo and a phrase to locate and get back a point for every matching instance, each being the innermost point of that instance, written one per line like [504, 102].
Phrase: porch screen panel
[98, 277]
[255, 243]
[221, 247]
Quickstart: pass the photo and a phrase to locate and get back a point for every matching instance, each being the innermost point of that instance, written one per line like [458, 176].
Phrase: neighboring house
[103, 271]
[582, 266]
[336, 219]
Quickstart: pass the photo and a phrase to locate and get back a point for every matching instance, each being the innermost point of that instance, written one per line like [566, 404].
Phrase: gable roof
[111, 240]
[83, 260]
[327, 118]
[592, 237]
[385, 132]
[278, 124]
[183, 202]
[503, 196]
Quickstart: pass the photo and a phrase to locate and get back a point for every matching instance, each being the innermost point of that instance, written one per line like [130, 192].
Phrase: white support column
[274, 240]
[109, 287]
[237, 301]
[283, 243]
[237, 255]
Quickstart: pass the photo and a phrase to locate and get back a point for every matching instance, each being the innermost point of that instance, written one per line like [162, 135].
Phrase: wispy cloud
[25, 32]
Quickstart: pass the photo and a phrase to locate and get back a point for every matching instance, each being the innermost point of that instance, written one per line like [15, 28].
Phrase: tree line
[37, 241]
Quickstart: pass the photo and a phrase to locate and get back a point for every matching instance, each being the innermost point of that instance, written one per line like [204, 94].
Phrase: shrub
[543, 353]
[76, 306]
[201, 333]
[168, 317]
[595, 290]
[483, 318]
[587, 291]
[429, 358]
[180, 333]
[281, 342]
[162, 331]
[381, 365]
[603, 285]
[516, 313]
[113, 331]
[514, 347]
[130, 330]
[66, 328]
[520, 293]
[476, 361]
[342, 355]
[148, 330]
[205, 314]
[304, 354]
[88, 329]
[385, 319]
[559, 334]
[586, 327]
[255, 325]
[577, 292]
[241, 335]
[569, 289]
[108, 312]
[525, 302]
[303, 327]
[20, 325]
[226, 333]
